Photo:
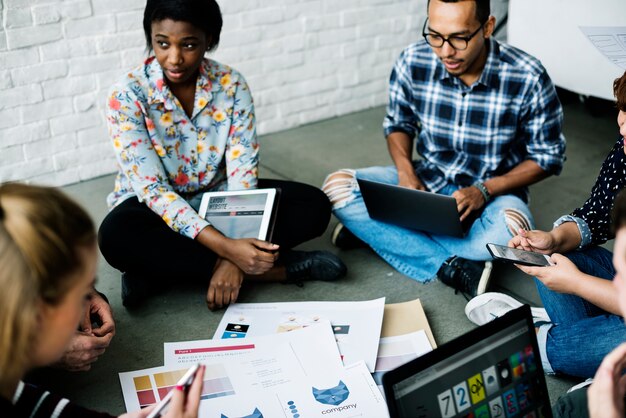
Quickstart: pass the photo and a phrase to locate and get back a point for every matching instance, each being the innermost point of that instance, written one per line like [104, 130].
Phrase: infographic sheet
[356, 325]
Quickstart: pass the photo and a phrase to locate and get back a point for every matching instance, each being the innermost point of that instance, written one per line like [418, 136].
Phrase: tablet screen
[240, 214]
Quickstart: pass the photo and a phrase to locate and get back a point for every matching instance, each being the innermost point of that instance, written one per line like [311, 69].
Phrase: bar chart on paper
[151, 388]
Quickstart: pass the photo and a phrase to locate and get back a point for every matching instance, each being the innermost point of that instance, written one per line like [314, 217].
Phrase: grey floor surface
[307, 154]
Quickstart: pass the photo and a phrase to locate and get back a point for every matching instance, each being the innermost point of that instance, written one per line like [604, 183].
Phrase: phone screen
[522, 256]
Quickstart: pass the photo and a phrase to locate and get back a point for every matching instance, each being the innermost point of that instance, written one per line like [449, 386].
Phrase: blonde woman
[48, 260]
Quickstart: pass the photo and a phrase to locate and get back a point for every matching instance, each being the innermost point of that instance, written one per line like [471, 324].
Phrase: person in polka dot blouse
[585, 322]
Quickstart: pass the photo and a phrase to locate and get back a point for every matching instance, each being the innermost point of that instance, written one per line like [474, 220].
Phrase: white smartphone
[513, 255]
[185, 381]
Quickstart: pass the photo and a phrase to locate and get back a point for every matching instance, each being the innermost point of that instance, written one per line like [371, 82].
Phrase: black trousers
[135, 240]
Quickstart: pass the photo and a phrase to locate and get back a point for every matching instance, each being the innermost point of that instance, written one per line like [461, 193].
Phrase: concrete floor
[307, 154]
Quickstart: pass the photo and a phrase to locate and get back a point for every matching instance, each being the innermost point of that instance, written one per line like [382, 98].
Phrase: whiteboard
[551, 31]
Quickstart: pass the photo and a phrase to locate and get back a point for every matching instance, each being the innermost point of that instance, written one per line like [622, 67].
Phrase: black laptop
[492, 371]
[414, 209]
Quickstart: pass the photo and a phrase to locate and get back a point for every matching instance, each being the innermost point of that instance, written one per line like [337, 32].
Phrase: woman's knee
[339, 187]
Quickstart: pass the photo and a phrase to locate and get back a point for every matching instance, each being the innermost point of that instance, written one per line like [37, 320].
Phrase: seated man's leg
[497, 224]
[412, 253]
[469, 269]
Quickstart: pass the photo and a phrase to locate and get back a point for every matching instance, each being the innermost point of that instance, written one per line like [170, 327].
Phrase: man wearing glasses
[486, 122]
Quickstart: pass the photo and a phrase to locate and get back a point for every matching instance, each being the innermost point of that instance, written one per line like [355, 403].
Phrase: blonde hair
[41, 230]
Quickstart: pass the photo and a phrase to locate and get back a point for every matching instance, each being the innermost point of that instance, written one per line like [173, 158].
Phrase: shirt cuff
[583, 228]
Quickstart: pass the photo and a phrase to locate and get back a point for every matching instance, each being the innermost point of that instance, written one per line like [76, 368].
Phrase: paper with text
[356, 325]
[610, 41]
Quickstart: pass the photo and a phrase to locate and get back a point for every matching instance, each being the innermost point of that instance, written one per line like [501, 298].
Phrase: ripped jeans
[417, 254]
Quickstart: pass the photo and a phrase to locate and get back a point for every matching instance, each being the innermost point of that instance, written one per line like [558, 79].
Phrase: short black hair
[483, 9]
[203, 14]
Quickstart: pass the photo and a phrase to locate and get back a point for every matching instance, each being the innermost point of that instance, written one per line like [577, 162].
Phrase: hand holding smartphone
[185, 382]
[513, 255]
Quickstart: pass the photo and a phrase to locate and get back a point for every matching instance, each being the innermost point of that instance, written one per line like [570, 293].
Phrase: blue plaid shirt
[468, 134]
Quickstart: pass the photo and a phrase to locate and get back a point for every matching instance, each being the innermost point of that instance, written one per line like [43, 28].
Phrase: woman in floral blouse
[181, 125]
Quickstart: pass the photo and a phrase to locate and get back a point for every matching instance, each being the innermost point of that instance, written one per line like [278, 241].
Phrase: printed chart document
[245, 374]
[395, 351]
[610, 41]
[405, 336]
[267, 382]
[314, 346]
[347, 393]
[356, 325]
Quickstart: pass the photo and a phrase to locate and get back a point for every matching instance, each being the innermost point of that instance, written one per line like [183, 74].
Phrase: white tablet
[240, 213]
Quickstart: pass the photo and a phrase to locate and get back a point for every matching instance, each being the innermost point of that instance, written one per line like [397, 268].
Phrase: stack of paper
[305, 359]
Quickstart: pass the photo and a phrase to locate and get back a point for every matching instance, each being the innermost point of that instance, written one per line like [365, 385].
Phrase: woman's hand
[562, 277]
[536, 241]
[225, 284]
[251, 255]
[183, 404]
[606, 393]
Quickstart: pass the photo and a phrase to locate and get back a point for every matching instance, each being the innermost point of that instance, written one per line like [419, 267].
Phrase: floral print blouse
[166, 158]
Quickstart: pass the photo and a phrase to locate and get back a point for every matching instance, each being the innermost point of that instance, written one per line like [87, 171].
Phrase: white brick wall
[305, 60]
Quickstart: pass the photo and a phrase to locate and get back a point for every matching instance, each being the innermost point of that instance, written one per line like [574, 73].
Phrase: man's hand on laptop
[410, 180]
[468, 199]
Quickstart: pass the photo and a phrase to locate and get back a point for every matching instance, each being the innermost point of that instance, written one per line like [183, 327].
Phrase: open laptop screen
[489, 372]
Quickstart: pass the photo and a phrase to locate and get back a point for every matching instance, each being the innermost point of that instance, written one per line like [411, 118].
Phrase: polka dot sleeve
[596, 211]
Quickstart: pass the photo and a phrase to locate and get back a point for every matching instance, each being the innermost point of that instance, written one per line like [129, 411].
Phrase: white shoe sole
[484, 278]
[335, 234]
[485, 298]
[539, 314]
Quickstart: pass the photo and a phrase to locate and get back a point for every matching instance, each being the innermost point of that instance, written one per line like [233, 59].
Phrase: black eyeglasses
[457, 42]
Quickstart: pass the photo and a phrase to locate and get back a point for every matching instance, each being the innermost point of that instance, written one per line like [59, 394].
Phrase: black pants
[135, 240]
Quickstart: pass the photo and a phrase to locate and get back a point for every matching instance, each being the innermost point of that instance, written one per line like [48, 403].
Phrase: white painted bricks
[305, 60]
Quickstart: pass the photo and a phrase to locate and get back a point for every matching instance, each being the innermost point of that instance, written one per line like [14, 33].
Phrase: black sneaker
[134, 290]
[466, 276]
[312, 265]
[344, 239]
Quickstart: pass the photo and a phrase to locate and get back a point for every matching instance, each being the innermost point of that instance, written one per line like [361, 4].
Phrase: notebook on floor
[414, 209]
[492, 371]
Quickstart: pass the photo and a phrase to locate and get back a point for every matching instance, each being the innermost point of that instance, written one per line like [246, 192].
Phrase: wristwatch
[483, 189]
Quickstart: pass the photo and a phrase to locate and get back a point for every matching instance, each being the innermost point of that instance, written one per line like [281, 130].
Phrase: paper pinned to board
[610, 41]
[405, 318]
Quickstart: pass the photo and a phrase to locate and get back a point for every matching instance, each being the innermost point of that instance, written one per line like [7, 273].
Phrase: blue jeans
[581, 333]
[417, 254]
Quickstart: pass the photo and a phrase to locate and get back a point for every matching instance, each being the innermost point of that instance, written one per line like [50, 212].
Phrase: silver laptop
[414, 209]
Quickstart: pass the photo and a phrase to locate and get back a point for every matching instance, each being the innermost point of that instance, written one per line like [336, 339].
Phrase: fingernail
[179, 387]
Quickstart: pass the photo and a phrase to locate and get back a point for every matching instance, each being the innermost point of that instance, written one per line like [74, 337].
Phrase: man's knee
[515, 220]
[339, 187]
